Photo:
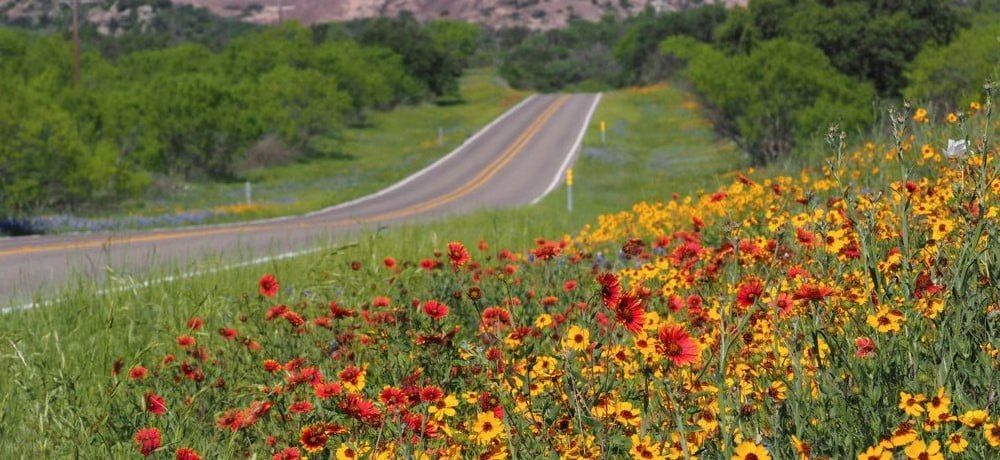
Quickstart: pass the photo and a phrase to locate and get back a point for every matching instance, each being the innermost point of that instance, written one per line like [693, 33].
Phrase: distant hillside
[535, 14]
[149, 22]
[121, 17]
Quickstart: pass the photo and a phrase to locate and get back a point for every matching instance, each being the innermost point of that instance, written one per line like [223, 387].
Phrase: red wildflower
[547, 250]
[569, 285]
[694, 303]
[310, 375]
[676, 345]
[276, 311]
[271, 365]
[629, 313]
[428, 264]
[148, 440]
[394, 399]
[797, 271]
[380, 301]
[496, 317]
[314, 438]
[323, 321]
[290, 453]
[783, 302]
[697, 223]
[338, 312]
[268, 285]
[812, 293]
[865, 347]
[805, 237]
[350, 374]
[458, 254]
[389, 262]
[431, 393]
[326, 390]
[137, 373]
[435, 310]
[354, 405]
[195, 323]
[300, 407]
[227, 333]
[749, 292]
[611, 289]
[417, 424]
[155, 404]
[185, 341]
[186, 454]
[294, 318]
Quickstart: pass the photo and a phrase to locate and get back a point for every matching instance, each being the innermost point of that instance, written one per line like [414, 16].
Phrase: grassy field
[59, 357]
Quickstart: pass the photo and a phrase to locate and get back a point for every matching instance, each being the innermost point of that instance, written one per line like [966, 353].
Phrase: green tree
[955, 73]
[637, 52]
[782, 93]
[422, 57]
[873, 40]
[457, 41]
[301, 104]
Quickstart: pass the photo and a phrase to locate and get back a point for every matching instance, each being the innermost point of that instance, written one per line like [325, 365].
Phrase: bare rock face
[534, 14]
[110, 15]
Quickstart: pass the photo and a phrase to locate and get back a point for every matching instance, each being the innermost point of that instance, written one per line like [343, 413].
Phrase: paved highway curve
[515, 160]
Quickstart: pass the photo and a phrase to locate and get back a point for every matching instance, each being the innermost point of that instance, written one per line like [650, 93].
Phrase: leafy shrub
[779, 94]
[190, 112]
[956, 72]
[869, 40]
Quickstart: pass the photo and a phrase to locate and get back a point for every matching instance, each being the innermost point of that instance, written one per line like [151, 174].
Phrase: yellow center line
[484, 175]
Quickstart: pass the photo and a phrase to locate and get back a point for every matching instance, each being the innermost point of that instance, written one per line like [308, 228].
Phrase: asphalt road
[515, 160]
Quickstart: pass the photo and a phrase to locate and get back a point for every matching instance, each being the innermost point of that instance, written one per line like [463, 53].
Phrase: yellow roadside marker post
[569, 190]
[604, 127]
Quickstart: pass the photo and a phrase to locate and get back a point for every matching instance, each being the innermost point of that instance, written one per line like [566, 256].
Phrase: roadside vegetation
[775, 74]
[762, 317]
[656, 141]
[148, 120]
[387, 147]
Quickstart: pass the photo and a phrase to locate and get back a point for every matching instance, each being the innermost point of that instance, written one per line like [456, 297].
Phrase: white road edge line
[288, 255]
[571, 155]
[172, 278]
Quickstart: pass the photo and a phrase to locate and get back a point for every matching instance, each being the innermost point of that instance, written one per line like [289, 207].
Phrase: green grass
[58, 357]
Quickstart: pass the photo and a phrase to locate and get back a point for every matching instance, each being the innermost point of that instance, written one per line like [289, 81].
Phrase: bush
[956, 72]
[779, 94]
[864, 39]
[190, 112]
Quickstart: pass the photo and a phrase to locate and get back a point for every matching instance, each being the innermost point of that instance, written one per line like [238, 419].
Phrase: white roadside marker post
[603, 128]
[246, 189]
[569, 190]
[440, 136]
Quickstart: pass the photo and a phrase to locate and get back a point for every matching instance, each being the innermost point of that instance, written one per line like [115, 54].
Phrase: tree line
[189, 111]
[778, 72]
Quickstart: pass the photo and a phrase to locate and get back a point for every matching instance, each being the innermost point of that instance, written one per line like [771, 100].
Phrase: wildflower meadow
[843, 311]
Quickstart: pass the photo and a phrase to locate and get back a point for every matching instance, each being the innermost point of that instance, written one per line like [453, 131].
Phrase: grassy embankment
[59, 357]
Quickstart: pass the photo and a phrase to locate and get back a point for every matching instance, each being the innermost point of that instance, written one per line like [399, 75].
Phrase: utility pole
[281, 11]
[76, 43]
